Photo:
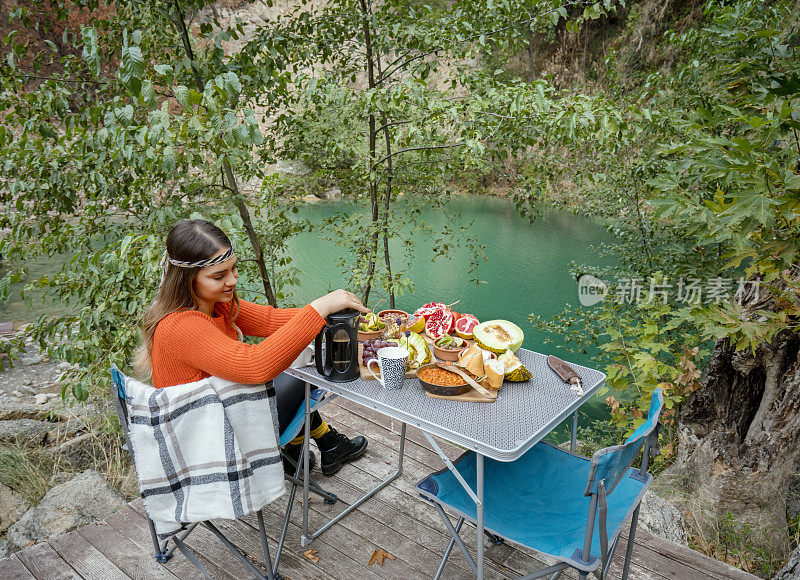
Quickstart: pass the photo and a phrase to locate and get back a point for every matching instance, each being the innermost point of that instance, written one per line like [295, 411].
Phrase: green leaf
[90, 51]
[47, 131]
[131, 69]
[182, 94]
[592, 12]
[165, 70]
[148, 94]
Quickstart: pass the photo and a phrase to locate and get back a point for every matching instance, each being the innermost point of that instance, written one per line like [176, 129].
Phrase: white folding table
[523, 415]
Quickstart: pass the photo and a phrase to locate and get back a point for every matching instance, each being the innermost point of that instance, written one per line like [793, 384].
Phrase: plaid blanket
[204, 450]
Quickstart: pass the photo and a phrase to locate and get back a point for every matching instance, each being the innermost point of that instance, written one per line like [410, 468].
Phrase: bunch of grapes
[371, 349]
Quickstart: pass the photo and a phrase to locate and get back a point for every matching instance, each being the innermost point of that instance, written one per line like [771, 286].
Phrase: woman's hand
[336, 301]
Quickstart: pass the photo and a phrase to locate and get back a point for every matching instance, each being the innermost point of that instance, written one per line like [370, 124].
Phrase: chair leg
[238, 553]
[448, 550]
[195, 561]
[629, 549]
[272, 573]
[285, 529]
[494, 540]
[456, 538]
[328, 497]
[161, 554]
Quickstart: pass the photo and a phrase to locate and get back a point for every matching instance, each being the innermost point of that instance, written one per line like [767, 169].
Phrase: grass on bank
[33, 471]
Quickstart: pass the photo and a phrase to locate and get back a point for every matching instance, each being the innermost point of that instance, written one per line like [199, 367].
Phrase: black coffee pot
[338, 362]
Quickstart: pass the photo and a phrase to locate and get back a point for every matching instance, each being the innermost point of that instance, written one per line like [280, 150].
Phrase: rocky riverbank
[61, 467]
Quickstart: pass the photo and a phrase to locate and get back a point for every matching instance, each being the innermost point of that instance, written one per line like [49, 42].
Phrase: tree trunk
[739, 435]
[232, 184]
[373, 137]
[531, 60]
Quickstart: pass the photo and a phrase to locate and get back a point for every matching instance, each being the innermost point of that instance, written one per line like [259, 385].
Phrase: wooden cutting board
[471, 396]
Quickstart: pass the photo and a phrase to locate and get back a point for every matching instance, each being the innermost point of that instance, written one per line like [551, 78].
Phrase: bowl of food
[392, 314]
[448, 347]
[370, 327]
[439, 381]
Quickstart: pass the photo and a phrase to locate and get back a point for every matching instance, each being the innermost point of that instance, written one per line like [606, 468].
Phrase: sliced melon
[515, 370]
[498, 336]
[419, 351]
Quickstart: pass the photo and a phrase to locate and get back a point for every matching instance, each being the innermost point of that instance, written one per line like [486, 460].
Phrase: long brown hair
[187, 241]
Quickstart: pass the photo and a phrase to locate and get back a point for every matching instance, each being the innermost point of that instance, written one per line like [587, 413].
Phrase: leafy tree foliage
[142, 116]
[139, 124]
[699, 179]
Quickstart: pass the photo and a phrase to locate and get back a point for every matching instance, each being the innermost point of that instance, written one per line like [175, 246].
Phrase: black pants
[290, 395]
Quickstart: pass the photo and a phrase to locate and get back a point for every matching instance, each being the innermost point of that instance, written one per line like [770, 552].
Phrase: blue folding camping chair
[553, 501]
[163, 550]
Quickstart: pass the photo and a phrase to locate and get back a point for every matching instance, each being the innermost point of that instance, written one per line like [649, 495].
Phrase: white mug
[391, 363]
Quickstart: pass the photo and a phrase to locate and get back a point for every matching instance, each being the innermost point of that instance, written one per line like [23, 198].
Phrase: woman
[194, 327]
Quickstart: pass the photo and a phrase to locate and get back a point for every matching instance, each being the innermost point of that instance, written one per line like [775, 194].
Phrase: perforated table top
[523, 414]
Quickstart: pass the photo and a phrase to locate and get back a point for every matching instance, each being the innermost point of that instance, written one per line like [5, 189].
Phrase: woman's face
[216, 283]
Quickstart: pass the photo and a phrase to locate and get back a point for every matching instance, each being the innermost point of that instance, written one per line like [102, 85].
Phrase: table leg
[304, 540]
[307, 537]
[479, 530]
[574, 440]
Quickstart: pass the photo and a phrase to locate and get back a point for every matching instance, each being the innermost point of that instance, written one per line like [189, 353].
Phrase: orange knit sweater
[189, 346]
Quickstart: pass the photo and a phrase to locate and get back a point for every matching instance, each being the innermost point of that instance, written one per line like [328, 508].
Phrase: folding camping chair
[163, 551]
[548, 500]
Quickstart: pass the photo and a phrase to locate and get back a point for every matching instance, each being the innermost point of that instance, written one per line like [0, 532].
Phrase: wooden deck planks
[202, 541]
[336, 554]
[402, 492]
[132, 559]
[413, 557]
[397, 520]
[292, 564]
[133, 526]
[13, 569]
[428, 544]
[87, 560]
[705, 566]
[46, 564]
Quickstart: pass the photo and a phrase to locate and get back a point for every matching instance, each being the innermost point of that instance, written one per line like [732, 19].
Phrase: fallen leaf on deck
[311, 554]
[379, 555]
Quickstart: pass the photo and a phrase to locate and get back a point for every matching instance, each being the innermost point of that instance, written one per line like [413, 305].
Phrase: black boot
[291, 456]
[336, 449]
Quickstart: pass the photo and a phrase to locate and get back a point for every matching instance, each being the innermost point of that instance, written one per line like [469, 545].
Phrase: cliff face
[631, 39]
[632, 36]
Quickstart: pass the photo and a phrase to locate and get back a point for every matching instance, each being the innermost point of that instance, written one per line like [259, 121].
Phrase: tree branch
[421, 148]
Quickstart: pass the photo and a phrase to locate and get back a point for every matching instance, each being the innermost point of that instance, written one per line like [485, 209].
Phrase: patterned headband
[199, 263]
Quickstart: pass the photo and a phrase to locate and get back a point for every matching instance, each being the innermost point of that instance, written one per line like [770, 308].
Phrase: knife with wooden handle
[567, 374]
